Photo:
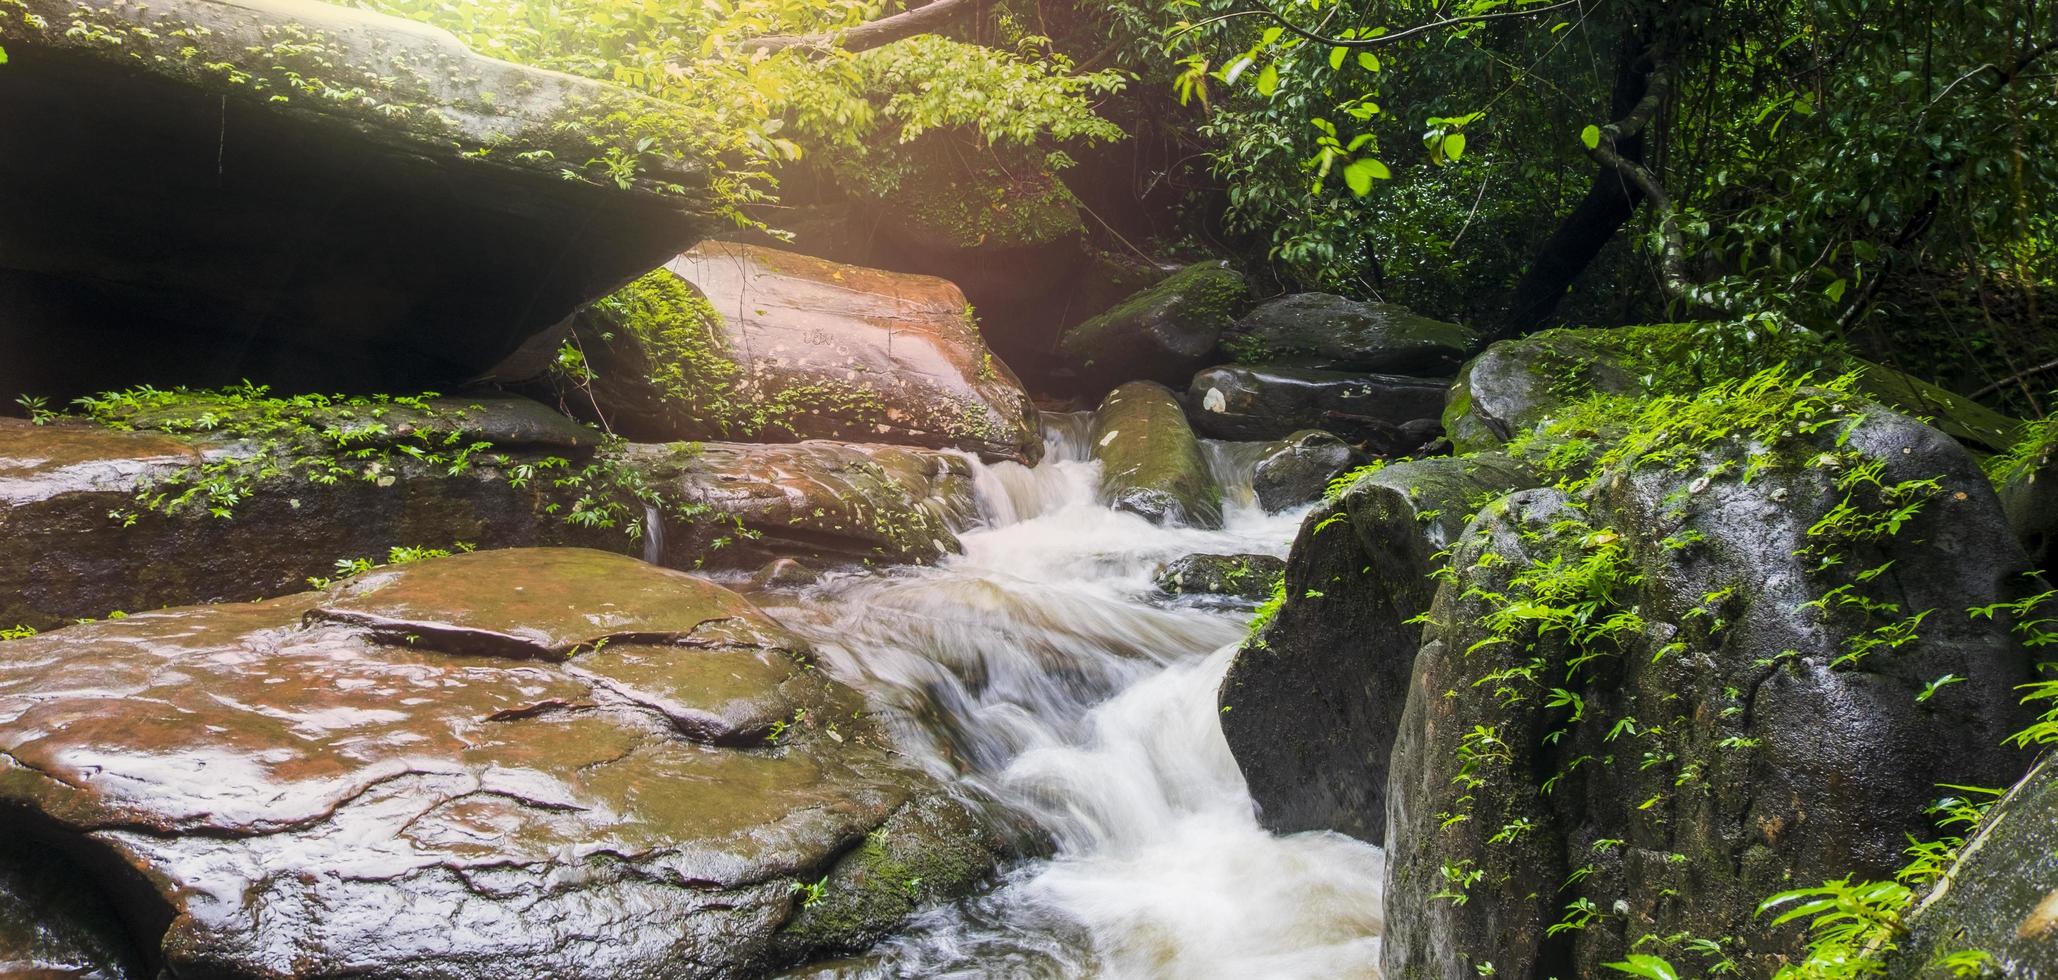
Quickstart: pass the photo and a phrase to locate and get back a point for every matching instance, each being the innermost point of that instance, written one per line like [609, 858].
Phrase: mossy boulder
[1702, 673]
[1321, 330]
[634, 776]
[1248, 577]
[1313, 700]
[1387, 414]
[744, 342]
[1163, 333]
[1998, 898]
[258, 500]
[1151, 463]
[1515, 384]
[1297, 469]
[307, 194]
[2026, 477]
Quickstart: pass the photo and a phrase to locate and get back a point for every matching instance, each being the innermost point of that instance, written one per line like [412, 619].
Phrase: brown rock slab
[274, 794]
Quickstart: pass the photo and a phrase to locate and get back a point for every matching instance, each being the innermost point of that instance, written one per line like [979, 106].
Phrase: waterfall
[1041, 674]
[653, 535]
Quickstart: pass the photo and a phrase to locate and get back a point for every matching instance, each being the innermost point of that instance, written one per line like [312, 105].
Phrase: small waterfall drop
[1040, 672]
[653, 535]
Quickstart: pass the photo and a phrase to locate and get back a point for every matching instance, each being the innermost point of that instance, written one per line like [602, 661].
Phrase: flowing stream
[1040, 672]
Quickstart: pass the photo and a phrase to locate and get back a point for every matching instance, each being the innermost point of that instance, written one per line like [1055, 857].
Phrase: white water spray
[1040, 670]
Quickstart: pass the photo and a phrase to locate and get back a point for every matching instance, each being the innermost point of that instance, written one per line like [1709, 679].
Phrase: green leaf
[1362, 172]
[1645, 965]
[3, 56]
[1835, 292]
[1368, 61]
[1591, 136]
[1268, 80]
[1336, 58]
[1454, 145]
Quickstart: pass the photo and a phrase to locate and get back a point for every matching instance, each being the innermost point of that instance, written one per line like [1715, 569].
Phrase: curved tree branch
[1383, 39]
[925, 19]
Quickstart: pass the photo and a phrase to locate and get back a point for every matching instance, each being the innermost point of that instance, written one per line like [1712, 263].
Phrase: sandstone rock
[1312, 702]
[92, 524]
[746, 342]
[1151, 464]
[1387, 414]
[1237, 576]
[1296, 470]
[599, 795]
[300, 193]
[1163, 333]
[1320, 330]
[1699, 683]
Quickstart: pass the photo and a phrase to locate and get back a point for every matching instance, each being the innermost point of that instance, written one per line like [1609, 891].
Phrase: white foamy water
[1039, 672]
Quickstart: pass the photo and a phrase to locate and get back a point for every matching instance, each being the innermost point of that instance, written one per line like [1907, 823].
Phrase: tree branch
[1672, 242]
[1383, 39]
[925, 19]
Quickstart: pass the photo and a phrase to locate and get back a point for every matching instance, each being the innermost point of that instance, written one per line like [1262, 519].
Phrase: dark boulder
[1151, 463]
[1998, 899]
[1709, 674]
[1514, 385]
[52, 924]
[743, 342]
[1320, 330]
[1236, 576]
[1163, 333]
[2027, 481]
[98, 520]
[1297, 469]
[272, 791]
[1387, 414]
[305, 194]
[1311, 704]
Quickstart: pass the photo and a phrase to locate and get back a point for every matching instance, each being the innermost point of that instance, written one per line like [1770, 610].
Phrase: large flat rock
[273, 789]
[294, 192]
[84, 512]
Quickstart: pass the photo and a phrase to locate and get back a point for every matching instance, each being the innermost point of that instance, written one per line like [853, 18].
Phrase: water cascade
[1040, 672]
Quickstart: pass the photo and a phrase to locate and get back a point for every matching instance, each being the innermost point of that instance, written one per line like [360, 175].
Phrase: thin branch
[924, 19]
[2021, 375]
[1383, 39]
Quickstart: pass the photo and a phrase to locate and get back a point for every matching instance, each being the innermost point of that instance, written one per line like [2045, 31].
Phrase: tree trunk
[1609, 203]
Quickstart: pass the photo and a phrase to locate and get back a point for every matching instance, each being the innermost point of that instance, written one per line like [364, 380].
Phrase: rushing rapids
[1042, 674]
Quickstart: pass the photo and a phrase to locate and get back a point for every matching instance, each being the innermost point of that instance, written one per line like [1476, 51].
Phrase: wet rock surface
[1151, 462]
[2029, 496]
[1998, 898]
[755, 343]
[1297, 469]
[295, 793]
[1313, 701]
[1742, 730]
[292, 192]
[81, 543]
[1320, 330]
[1236, 576]
[818, 501]
[1387, 414]
[1161, 334]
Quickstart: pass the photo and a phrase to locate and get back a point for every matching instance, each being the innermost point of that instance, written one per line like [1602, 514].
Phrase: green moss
[930, 849]
[1203, 297]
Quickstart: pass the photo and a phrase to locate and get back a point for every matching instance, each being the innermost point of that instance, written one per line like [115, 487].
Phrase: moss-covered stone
[1236, 576]
[1996, 910]
[933, 848]
[737, 341]
[1513, 385]
[1163, 333]
[1330, 332]
[1151, 464]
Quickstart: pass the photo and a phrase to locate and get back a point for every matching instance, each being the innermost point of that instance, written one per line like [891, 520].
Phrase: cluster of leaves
[844, 111]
